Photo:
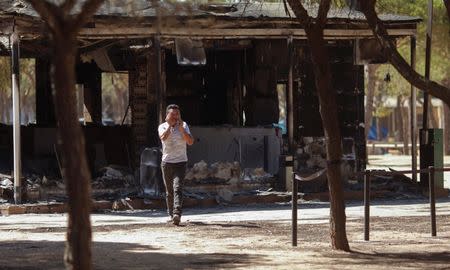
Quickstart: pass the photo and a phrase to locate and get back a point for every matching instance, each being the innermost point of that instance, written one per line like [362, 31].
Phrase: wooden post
[45, 107]
[158, 91]
[366, 205]
[160, 98]
[294, 209]
[15, 74]
[290, 96]
[413, 105]
[426, 100]
[432, 200]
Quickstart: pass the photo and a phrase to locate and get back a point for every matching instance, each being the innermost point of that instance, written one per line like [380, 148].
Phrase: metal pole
[366, 205]
[290, 96]
[426, 100]
[294, 209]
[16, 116]
[413, 104]
[432, 200]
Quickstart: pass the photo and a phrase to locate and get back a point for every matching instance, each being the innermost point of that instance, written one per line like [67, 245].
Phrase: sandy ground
[253, 237]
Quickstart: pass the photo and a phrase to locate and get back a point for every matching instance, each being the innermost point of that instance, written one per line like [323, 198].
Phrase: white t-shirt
[174, 147]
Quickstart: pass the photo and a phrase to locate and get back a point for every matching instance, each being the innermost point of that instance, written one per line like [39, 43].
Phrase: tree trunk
[64, 26]
[330, 121]
[72, 147]
[398, 127]
[371, 79]
[405, 126]
[433, 117]
[447, 129]
[329, 114]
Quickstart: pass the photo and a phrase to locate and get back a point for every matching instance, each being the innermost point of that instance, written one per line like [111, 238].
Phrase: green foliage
[115, 97]
[27, 91]
[417, 8]
[440, 53]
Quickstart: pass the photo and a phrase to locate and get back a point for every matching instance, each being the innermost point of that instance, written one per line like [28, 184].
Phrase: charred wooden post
[426, 99]
[15, 79]
[290, 95]
[45, 108]
[432, 195]
[90, 75]
[144, 107]
[294, 209]
[158, 88]
[160, 97]
[413, 114]
[366, 205]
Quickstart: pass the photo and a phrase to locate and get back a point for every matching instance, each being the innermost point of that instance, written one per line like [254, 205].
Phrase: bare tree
[400, 64]
[64, 27]
[314, 28]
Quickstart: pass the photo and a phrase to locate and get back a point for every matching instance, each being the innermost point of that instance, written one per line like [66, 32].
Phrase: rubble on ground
[396, 186]
[198, 171]
[224, 195]
[111, 177]
[110, 182]
[6, 189]
[312, 157]
[224, 172]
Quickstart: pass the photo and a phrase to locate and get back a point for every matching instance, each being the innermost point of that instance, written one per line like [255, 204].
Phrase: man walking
[174, 135]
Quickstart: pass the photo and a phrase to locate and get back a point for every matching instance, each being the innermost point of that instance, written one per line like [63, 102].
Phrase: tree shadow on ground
[387, 260]
[33, 255]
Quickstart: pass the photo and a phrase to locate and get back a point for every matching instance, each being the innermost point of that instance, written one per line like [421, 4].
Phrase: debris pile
[396, 186]
[6, 189]
[217, 172]
[113, 177]
[313, 153]
[224, 172]
[110, 182]
[312, 157]
[256, 174]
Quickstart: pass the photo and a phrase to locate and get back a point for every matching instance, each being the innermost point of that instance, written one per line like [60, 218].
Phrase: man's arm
[165, 134]
[186, 134]
[187, 137]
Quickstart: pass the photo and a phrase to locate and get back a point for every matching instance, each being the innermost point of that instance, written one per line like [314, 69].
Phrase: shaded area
[413, 260]
[399, 243]
[30, 255]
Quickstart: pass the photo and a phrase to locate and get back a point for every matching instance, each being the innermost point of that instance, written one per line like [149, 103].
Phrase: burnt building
[227, 67]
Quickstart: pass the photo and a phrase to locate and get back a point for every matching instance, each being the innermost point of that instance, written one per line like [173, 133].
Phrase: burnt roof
[250, 10]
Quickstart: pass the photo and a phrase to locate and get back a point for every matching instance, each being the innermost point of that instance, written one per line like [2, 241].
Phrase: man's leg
[179, 173]
[167, 173]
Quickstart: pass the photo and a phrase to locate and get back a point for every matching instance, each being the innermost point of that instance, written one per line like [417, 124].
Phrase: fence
[367, 179]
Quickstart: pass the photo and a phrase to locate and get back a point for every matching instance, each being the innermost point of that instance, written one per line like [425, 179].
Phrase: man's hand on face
[170, 120]
[180, 125]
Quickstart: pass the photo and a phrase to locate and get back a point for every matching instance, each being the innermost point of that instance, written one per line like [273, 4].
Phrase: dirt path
[396, 242]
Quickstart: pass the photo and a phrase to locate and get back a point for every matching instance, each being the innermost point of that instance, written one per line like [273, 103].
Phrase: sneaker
[176, 219]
